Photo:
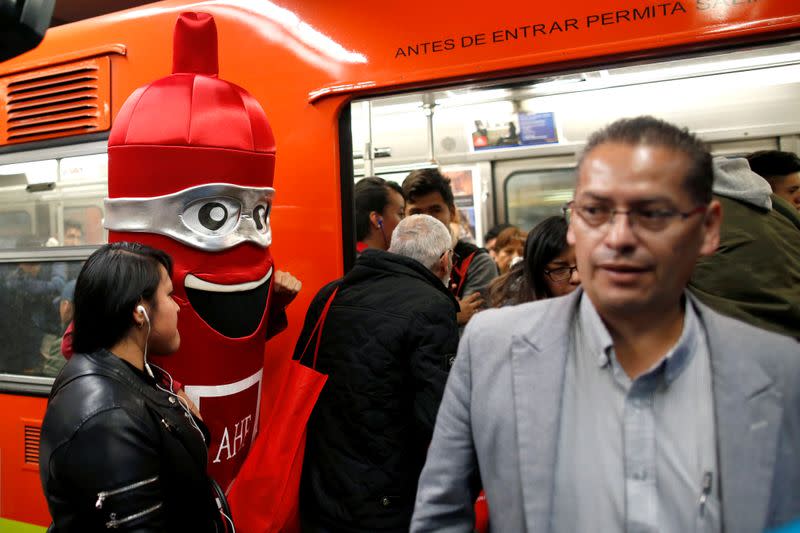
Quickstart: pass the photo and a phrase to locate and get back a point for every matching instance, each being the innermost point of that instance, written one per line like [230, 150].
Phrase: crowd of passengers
[632, 365]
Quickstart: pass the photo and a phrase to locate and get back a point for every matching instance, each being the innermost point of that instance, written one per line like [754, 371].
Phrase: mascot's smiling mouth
[232, 310]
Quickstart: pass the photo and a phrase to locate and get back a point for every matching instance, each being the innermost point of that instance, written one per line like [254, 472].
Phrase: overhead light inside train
[674, 70]
[461, 98]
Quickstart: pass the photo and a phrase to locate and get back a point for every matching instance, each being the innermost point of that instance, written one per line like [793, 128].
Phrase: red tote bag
[265, 495]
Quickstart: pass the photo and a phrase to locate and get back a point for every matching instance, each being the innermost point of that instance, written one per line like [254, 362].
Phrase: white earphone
[140, 309]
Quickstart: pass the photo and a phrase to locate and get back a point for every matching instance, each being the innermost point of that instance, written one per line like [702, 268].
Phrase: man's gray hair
[421, 237]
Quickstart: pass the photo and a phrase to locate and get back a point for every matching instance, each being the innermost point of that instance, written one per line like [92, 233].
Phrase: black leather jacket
[117, 453]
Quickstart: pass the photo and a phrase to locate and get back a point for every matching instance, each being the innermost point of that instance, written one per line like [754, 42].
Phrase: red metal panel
[59, 101]
[21, 496]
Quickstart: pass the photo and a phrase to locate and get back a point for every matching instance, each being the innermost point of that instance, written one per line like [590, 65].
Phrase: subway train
[502, 99]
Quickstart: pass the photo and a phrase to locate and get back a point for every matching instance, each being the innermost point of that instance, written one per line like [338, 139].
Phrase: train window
[53, 202]
[35, 308]
[13, 224]
[51, 213]
[84, 169]
[83, 214]
[34, 174]
[737, 100]
[83, 225]
[532, 196]
[31, 227]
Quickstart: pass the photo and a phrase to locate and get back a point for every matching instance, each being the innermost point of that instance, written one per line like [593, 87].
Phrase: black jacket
[387, 345]
[117, 453]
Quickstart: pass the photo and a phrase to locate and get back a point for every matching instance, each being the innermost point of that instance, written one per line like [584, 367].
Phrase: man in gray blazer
[627, 405]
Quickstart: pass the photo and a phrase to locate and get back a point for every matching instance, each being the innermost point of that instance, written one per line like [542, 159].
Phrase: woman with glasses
[547, 270]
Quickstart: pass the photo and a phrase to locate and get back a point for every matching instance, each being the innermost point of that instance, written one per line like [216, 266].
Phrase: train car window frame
[31, 384]
[48, 207]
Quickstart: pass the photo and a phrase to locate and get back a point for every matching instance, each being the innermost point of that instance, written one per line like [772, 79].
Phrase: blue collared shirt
[636, 455]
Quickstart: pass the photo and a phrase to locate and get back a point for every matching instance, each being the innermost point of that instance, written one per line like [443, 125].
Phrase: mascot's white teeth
[193, 282]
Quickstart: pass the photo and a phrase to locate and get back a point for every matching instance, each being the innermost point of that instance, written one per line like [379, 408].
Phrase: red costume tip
[195, 45]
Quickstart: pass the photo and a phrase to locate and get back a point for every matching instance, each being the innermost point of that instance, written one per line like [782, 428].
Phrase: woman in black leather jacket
[119, 450]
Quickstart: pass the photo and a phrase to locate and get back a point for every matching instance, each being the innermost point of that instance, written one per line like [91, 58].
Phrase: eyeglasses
[561, 274]
[651, 219]
[448, 251]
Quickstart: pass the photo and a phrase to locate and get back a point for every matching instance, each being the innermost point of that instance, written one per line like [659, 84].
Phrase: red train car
[501, 97]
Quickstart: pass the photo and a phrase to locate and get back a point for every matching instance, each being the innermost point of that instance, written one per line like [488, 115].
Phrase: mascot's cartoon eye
[212, 215]
[260, 215]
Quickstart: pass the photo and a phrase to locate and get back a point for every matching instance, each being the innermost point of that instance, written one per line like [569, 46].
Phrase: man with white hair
[386, 343]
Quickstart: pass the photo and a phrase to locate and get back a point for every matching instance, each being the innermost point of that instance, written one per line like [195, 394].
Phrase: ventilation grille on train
[70, 99]
[32, 436]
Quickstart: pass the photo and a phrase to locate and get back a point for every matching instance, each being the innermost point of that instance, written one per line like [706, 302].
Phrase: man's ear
[712, 221]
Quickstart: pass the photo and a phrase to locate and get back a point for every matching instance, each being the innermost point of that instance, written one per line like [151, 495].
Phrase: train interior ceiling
[509, 146]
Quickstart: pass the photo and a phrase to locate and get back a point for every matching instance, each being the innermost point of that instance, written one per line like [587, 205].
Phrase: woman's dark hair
[371, 194]
[114, 279]
[525, 281]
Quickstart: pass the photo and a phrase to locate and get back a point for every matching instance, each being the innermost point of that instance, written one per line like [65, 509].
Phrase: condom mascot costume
[191, 161]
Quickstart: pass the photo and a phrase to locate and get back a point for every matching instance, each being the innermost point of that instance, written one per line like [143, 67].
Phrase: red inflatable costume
[191, 160]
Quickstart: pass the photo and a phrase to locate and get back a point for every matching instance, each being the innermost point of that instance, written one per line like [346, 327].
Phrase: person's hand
[285, 287]
[189, 403]
[469, 305]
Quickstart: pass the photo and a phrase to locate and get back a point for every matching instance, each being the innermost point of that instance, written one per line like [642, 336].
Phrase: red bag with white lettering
[264, 497]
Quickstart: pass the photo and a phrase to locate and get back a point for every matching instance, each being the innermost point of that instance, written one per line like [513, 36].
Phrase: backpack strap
[461, 271]
[318, 329]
